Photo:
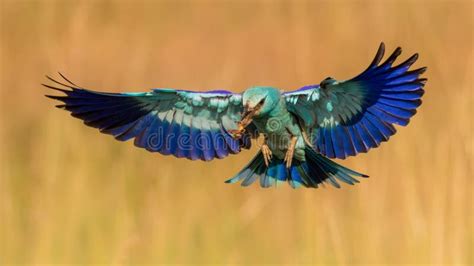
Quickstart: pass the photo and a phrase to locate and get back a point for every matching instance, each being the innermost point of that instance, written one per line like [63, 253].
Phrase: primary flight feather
[302, 129]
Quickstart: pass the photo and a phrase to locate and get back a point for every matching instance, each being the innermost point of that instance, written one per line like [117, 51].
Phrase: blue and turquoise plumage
[354, 116]
[334, 119]
[312, 172]
[198, 120]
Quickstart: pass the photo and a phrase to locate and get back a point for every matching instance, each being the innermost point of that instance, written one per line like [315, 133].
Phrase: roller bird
[300, 130]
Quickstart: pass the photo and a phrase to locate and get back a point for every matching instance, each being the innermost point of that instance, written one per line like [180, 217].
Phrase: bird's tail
[315, 170]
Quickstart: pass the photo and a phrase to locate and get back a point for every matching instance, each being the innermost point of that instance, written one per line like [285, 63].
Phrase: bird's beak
[247, 118]
[250, 111]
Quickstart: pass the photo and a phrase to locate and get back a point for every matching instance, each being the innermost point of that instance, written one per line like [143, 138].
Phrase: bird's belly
[279, 144]
[279, 132]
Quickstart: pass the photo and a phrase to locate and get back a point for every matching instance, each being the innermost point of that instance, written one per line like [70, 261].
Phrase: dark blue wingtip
[71, 87]
[100, 110]
[392, 94]
[378, 56]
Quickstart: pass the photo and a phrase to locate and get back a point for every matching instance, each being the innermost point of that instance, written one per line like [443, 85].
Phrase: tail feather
[314, 171]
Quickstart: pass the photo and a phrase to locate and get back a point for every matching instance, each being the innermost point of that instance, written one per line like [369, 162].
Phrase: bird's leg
[291, 150]
[267, 153]
[306, 139]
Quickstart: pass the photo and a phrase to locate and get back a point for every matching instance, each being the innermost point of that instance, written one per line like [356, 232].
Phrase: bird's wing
[183, 123]
[348, 117]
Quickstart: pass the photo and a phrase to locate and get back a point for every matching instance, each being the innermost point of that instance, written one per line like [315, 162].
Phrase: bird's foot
[289, 157]
[290, 152]
[267, 154]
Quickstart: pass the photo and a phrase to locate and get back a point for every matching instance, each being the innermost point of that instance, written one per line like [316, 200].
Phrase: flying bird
[302, 129]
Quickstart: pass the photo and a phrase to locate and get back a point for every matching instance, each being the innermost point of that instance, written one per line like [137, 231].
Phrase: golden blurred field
[69, 195]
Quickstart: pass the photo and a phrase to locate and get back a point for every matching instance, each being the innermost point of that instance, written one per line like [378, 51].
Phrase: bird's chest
[274, 125]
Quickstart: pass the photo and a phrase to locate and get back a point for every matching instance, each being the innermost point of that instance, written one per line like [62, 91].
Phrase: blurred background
[70, 195]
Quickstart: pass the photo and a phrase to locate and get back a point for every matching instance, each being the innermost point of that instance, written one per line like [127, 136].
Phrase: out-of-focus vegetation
[71, 195]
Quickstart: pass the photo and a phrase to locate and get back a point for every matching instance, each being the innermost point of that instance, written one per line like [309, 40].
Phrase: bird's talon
[267, 154]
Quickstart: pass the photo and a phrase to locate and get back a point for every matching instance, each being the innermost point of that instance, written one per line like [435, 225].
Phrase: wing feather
[182, 123]
[353, 116]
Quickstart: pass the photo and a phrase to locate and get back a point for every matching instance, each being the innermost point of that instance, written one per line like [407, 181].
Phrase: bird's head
[259, 101]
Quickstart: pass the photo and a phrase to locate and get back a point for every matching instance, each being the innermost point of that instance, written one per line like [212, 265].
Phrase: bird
[301, 130]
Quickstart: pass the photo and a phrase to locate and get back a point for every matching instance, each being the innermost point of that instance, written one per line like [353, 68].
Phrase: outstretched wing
[183, 123]
[348, 117]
